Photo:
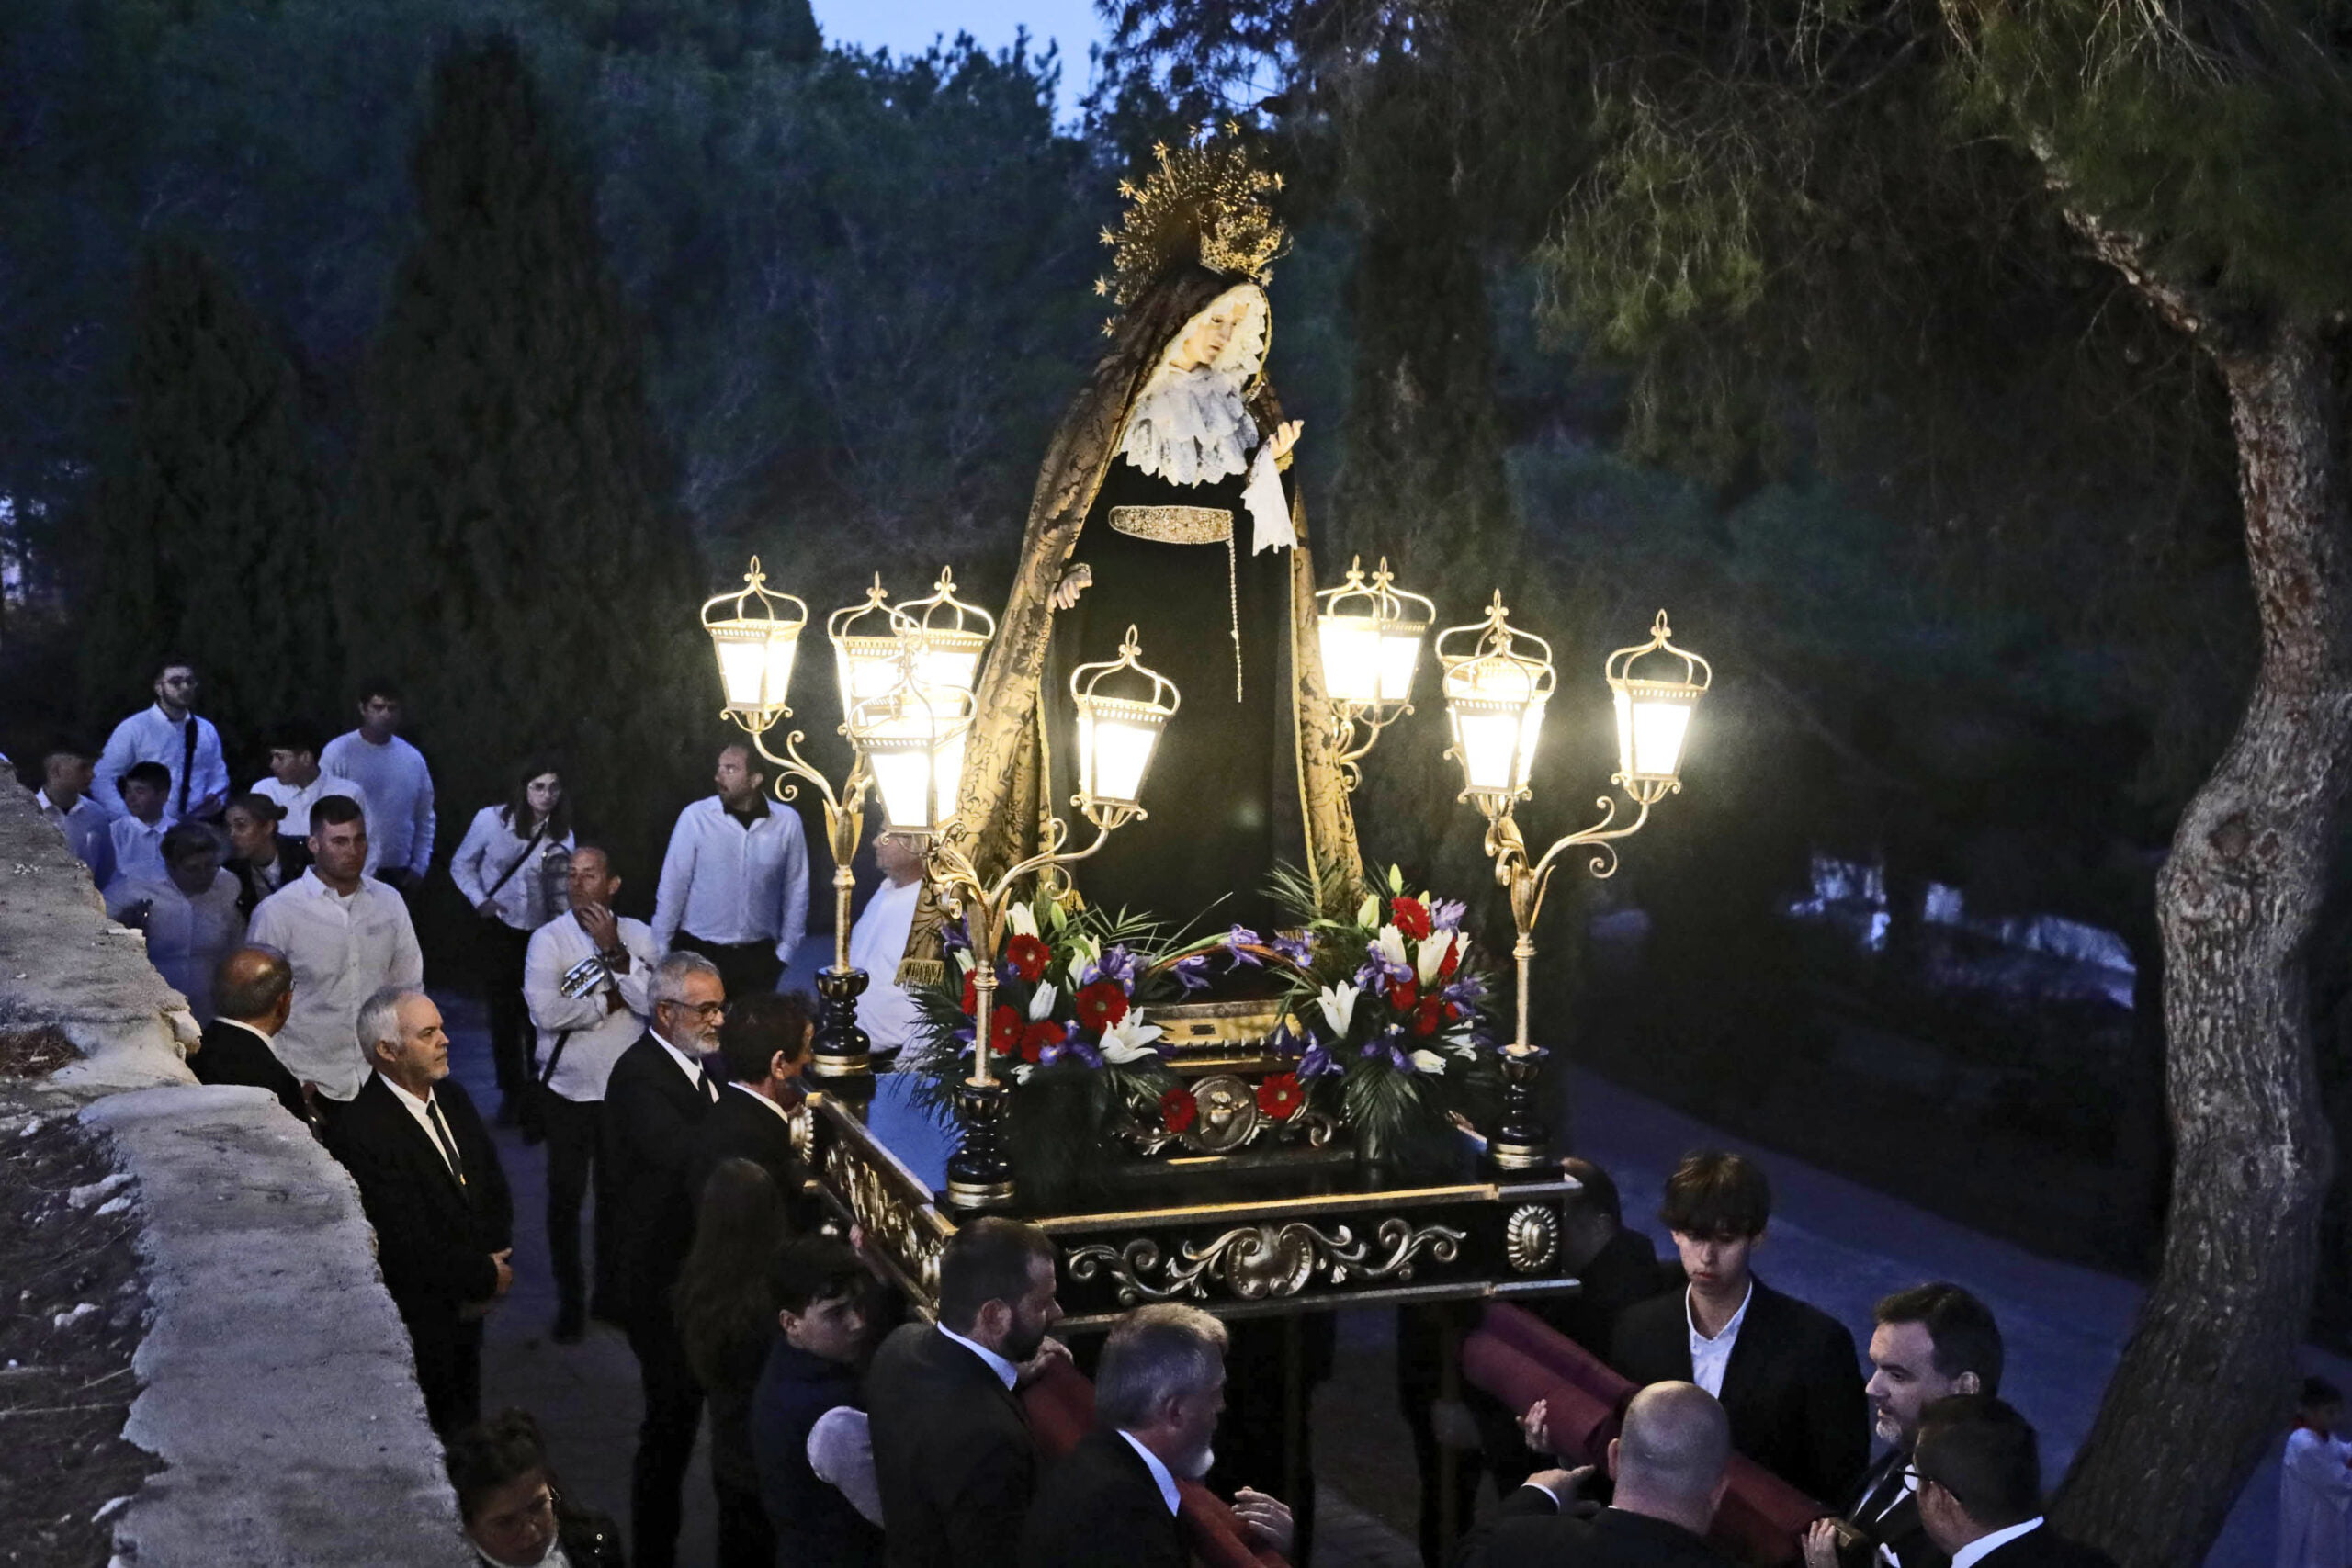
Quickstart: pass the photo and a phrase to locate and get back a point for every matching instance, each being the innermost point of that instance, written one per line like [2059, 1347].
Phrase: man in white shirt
[169, 733]
[878, 941]
[393, 780]
[296, 783]
[64, 799]
[136, 838]
[1113, 1498]
[1979, 1489]
[580, 1038]
[189, 913]
[347, 935]
[735, 881]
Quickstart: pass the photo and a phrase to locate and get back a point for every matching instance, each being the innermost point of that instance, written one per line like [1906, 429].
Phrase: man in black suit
[253, 990]
[764, 1047]
[1667, 1466]
[1979, 1489]
[429, 1178]
[1929, 1342]
[1785, 1371]
[951, 1446]
[656, 1103]
[1111, 1501]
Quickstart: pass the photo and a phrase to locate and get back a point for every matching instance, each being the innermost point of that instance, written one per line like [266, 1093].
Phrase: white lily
[1022, 920]
[1339, 1005]
[1368, 911]
[1428, 1062]
[1129, 1040]
[1041, 1004]
[964, 960]
[1084, 951]
[1390, 945]
[1021, 1073]
[1431, 957]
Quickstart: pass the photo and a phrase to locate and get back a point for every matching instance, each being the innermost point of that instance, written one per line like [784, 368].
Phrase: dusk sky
[908, 26]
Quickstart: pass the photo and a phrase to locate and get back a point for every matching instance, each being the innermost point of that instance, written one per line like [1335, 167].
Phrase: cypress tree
[513, 552]
[206, 527]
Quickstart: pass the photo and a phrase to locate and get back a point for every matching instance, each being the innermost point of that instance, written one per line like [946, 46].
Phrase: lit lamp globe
[954, 635]
[755, 634]
[867, 655]
[1371, 634]
[1118, 731]
[1654, 708]
[912, 738]
[1497, 680]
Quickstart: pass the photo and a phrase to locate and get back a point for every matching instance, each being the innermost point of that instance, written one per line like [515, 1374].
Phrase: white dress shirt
[87, 830]
[137, 847]
[1709, 1357]
[1984, 1545]
[598, 1034]
[1160, 1475]
[487, 852]
[730, 881]
[1007, 1373]
[185, 936]
[877, 942]
[343, 950]
[697, 1072]
[398, 788]
[148, 737]
[419, 1111]
[296, 801]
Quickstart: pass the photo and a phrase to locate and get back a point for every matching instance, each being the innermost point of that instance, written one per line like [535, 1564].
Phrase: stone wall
[276, 1386]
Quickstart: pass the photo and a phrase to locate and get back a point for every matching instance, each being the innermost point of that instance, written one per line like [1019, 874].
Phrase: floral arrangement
[1389, 1011]
[1068, 1031]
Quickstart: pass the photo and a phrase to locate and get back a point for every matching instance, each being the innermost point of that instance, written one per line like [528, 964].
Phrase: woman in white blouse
[498, 869]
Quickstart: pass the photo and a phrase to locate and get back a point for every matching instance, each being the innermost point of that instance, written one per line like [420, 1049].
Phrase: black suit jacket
[1794, 1388]
[230, 1054]
[1621, 1275]
[952, 1453]
[1529, 1531]
[1099, 1508]
[654, 1117]
[293, 857]
[741, 1126]
[434, 1234]
[2043, 1547]
[1897, 1528]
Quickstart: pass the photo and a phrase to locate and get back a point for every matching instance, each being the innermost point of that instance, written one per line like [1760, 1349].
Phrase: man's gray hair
[670, 976]
[1675, 1443]
[1154, 1354]
[379, 1017]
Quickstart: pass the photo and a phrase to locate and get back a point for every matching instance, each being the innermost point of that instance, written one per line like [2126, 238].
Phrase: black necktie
[1878, 1499]
[187, 759]
[709, 1089]
[449, 1148]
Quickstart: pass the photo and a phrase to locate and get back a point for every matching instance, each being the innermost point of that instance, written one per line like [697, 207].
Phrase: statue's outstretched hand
[1284, 437]
[1074, 580]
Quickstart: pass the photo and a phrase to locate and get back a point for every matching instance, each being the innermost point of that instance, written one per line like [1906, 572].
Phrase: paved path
[1832, 1242]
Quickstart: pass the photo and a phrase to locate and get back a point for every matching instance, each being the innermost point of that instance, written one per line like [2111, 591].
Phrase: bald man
[1668, 1464]
[253, 991]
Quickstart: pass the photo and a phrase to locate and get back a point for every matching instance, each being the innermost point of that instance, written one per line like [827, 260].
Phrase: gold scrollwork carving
[890, 1220]
[1532, 1238]
[1264, 1262]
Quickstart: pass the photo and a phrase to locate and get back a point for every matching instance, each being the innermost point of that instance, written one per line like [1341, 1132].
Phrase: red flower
[1428, 1016]
[1004, 1029]
[1411, 917]
[1179, 1109]
[1028, 956]
[1404, 996]
[1452, 960]
[1279, 1096]
[1037, 1036]
[971, 997]
[1453, 1013]
[1101, 1005]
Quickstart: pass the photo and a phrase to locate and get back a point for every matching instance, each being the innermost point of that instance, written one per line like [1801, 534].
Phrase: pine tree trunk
[2204, 1386]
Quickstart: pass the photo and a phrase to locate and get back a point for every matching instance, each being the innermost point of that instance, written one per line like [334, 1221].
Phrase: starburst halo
[1208, 202]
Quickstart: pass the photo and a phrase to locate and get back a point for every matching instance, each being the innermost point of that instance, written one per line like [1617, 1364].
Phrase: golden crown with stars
[1208, 201]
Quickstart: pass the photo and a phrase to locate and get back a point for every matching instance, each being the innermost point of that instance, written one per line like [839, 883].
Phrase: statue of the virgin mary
[1164, 503]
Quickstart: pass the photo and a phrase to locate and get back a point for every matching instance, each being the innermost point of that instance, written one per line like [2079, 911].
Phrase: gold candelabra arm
[1356, 730]
[792, 765]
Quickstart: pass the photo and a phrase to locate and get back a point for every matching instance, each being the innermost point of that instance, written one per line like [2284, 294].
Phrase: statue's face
[1206, 335]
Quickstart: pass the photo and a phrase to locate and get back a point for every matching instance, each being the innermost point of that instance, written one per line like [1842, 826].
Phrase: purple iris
[1236, 940]
[1191, 972]
[1445, 915]
[1317, 1062]
[1373, 1049]
[1299, 949]
[1074, 1048]
[1116, 963]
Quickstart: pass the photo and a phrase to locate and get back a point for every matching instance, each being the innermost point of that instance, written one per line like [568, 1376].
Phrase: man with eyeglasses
[659, 1094]
[1978, 1470]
